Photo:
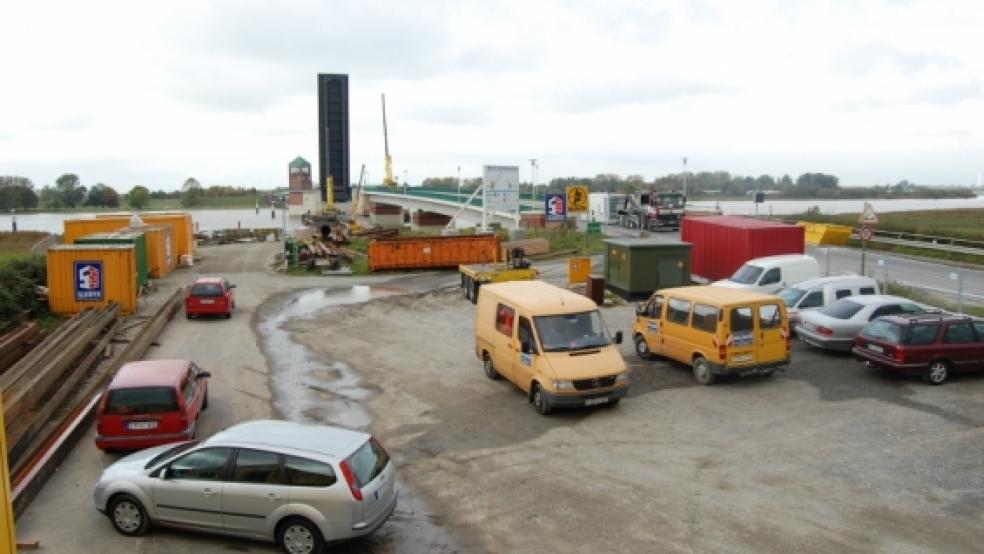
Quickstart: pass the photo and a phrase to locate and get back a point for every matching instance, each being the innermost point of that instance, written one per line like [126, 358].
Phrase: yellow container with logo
[578, 270]
[84, 276]
[161, 258]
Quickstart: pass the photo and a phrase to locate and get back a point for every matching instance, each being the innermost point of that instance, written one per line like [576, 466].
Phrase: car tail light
[900, 354]
[825, 331]
[350, 479]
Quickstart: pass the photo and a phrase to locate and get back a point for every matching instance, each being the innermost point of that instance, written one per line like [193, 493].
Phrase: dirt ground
[827, 457]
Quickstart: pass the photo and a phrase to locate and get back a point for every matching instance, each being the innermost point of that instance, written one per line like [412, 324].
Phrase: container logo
[89, 284]
[555, 207]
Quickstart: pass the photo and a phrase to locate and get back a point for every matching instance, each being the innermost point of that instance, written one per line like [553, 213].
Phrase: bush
[19, 276]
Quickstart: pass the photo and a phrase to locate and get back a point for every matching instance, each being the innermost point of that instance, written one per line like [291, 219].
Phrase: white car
[297, 484]
[835, 326]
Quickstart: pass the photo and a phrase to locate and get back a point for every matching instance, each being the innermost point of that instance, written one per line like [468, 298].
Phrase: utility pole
[684, 178]
[459, 184]
[533, 176]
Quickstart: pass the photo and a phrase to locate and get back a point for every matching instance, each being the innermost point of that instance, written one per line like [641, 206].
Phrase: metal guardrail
[934, 240]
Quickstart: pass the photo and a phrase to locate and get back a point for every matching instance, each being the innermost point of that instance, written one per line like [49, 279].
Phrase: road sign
[501, 187]
[554, 207]
[868, 216]
[867, 233]
[577, 199]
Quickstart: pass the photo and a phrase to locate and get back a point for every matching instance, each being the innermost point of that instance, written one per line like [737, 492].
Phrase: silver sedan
[299, 485]
[835, 326]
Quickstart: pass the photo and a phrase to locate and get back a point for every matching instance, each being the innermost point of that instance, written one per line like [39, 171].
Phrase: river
[212, 220]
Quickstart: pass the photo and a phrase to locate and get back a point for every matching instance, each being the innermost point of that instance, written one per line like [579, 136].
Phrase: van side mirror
[640, 308]
[524, 347]
[162, 473]
[618, 337]
[202, 375]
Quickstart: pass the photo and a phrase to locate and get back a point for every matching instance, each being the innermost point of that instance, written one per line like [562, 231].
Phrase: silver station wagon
[297, 484]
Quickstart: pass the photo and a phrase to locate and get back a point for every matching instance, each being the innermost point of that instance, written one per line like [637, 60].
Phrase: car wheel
[489, 368]
[937, 373]
[540, 403]
[128, 515]
[702, 371]
[642, 348]
[205, 401]
[299, 536]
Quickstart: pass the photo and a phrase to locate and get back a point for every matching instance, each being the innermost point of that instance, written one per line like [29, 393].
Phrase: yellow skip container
[84, 276]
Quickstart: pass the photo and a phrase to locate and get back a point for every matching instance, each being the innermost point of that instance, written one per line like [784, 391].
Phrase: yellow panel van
[551, 343]
[717, 330]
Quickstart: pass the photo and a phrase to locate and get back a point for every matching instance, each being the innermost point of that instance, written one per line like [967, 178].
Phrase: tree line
[19, 193]
[722, 184]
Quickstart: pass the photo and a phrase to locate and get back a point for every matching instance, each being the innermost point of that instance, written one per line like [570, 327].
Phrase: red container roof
[740, 222]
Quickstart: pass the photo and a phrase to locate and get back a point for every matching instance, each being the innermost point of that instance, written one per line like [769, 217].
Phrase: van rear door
[770, 339]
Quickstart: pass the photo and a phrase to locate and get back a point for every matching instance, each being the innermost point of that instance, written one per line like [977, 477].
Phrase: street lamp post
[459, 184]
[404, 182]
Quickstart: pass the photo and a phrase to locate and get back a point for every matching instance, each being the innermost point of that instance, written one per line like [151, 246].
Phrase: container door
[742, 335]
[770, 342]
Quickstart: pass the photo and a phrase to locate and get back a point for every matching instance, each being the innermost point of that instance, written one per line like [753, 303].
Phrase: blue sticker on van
[744, 338]
[653, 326]
[526, 359]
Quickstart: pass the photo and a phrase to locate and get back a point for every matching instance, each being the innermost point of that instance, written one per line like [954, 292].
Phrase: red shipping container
[722, 244]
[432, 252]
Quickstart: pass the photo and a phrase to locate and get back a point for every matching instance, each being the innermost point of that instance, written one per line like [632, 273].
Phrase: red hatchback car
[210, 296]
[931, 345]
[151, 402]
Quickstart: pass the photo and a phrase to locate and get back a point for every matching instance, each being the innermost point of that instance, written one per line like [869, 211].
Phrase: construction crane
[388, 175]
[353, 224]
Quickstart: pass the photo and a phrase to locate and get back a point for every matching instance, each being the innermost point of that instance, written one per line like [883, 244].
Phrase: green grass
[905, 250]
[933, 299]
[563, 239]
[958, 223]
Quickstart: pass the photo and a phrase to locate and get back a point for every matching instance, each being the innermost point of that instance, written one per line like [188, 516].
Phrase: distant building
[302, 197]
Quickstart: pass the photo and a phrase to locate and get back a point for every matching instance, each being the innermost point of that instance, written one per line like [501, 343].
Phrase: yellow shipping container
[182, 228]
[161, 259]
[84, 276]
[75, 228]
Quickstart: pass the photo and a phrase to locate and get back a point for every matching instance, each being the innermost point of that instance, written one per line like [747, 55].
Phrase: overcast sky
[151, 93]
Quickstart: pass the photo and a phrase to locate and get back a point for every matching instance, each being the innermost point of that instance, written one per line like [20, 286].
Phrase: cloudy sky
[131, 93]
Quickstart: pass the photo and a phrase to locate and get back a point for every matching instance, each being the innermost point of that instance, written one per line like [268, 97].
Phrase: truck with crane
[653, 210]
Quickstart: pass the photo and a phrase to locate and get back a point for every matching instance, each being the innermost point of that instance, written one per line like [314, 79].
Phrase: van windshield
[747, 274]
[571, 331]
[791, 296]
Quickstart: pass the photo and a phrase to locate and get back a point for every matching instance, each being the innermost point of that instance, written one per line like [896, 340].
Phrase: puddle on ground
[305, 387]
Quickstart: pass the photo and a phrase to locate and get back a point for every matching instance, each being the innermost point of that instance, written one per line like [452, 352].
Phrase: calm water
[206, 220]
[211, 220]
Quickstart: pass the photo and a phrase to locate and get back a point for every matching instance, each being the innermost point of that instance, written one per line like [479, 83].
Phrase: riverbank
[965, 223]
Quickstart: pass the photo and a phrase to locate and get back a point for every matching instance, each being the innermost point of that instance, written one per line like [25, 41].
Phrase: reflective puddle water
[305, 387]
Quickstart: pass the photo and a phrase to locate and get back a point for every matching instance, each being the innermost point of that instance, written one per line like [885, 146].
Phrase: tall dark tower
[333, 135]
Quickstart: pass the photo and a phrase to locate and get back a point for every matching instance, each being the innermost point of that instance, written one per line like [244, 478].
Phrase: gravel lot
[827, 457]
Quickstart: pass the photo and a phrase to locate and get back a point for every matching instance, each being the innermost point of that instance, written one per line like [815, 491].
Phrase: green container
[136, 238]
[634, 268]
[594, 228]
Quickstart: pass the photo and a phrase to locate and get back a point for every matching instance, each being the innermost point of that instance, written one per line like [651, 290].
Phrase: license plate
[595, 401]
[207, 301]
[141, 425]
[741, 358]
[876, 348]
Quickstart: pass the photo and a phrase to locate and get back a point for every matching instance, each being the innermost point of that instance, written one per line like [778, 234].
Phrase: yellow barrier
[578, 270]
[825, 233]
[8, 543]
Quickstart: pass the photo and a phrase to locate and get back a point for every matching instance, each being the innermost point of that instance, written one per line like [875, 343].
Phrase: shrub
[20, 274]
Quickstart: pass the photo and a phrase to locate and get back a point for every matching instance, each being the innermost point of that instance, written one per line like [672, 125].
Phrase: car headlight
[622, 377]
[563, 385]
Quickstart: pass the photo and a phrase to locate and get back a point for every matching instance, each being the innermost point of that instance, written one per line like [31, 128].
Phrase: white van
[771, 273]
[823, 291]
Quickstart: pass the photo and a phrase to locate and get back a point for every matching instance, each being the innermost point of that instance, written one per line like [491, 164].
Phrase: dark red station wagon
[210, 296]
[931, 345]
[151, 402]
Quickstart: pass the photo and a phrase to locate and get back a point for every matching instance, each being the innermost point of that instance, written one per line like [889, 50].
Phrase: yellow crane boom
[388, 174]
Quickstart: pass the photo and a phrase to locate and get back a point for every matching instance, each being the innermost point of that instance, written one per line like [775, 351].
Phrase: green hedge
[20, 274]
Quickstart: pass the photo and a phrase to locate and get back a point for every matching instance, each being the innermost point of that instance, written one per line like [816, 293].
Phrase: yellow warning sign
[577, 199]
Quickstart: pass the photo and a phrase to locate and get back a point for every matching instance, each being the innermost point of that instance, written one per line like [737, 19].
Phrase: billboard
[89, 282]
[555, 207]
[501, 187]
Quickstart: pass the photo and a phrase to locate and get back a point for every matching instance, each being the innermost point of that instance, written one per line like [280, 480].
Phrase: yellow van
[551, 343]
[719, 331]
